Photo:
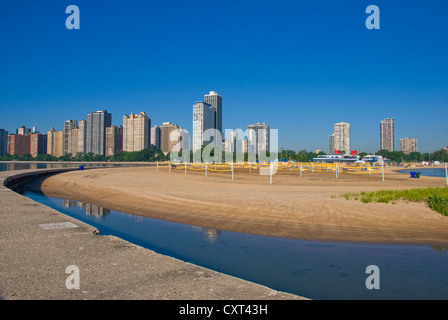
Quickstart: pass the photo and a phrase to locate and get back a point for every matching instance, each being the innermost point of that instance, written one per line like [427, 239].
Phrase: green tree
[99, 157]
[439, 155]
[88, 157]
[45, 157]
[26, 157]
[414, 157]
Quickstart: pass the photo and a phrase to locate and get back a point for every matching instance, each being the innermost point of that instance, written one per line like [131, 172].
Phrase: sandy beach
[304, 207]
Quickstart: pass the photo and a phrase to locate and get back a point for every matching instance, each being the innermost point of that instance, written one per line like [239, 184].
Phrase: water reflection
[10, 166]
[21, 166]
[90, 209]
[210, 235]
[318, 270]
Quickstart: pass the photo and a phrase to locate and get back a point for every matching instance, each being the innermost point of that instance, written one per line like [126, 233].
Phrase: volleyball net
[301, 167]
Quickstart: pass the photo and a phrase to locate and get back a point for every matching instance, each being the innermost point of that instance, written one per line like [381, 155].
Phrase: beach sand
[303, 207]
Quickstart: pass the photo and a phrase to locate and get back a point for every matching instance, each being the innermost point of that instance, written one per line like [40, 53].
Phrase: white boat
[373, 159]
[329, 158]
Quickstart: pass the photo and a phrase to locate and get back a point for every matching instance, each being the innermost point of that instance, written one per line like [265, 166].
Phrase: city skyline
[340, 139]
[329, 67]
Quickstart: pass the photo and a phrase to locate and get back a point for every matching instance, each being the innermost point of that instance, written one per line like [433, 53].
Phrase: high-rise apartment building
[341, 138]
[204, 116]
[235, 143]
[231, 142]
[408, 145]
[155, 137]
[97, 122]
[387, 134]
[215, 100]
[228, 146]
[82, 135]
[331, 143]
[166, 145]
[258, 137]
[73, 141]
[55, 143]
[3, 141]
[68, 126]
[38, 144]
[18, 144]
[23, 131]
[136, 132]
[114, 140]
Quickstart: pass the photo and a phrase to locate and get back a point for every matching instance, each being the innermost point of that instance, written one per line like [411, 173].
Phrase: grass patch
[439, 204]
[436, 198]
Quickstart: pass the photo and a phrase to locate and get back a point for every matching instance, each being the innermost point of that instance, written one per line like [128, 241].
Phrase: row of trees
[399, 156]
[395, 156]
[148, 155]
[145, 155]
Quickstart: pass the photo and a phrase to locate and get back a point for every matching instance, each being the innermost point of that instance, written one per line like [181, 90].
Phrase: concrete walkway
[36, 247]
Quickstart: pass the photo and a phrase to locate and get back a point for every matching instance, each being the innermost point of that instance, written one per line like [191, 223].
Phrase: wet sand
[303, 207]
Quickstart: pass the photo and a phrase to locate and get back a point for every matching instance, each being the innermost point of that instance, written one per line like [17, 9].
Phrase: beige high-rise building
[114, 140]
[136, 132]
[73, 141]
[38, 144]
[68, 126]
[408, 145]
[82, 134]
[165, 130]
[55, 143]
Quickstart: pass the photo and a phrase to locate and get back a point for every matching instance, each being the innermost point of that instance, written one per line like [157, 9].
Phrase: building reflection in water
[210, 235]
[20, 166]
[91, 209]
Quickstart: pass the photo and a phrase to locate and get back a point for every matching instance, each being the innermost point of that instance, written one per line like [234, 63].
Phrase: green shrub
[437, 198]
[439, 204]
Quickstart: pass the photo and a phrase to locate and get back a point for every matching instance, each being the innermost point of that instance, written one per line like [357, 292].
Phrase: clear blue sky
[298, 65]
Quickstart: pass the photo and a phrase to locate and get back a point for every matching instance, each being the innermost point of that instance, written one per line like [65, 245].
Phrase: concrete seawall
[38, 243]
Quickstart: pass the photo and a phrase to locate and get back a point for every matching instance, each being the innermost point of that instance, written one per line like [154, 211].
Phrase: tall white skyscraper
[341, 139]
[387, 134]
[258, 137]
[215, 100]
[204, 115]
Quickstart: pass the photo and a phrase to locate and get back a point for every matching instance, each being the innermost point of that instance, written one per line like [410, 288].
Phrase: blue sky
[299, 66]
